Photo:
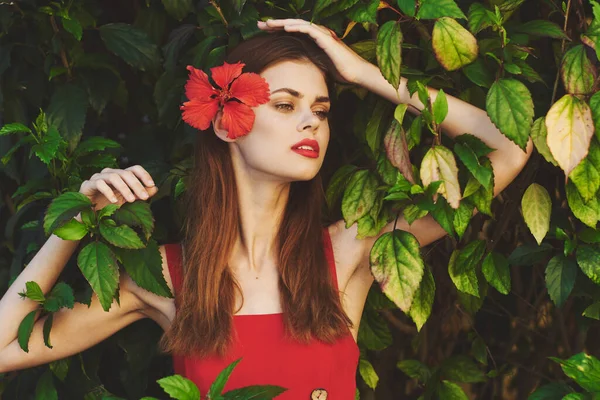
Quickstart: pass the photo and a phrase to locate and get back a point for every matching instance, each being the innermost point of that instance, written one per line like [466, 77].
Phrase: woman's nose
[308, 121]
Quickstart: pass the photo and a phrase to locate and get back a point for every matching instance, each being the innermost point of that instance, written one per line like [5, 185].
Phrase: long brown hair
[206, 300]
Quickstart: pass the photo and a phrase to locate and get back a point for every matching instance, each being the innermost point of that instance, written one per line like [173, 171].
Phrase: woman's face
[297, 110]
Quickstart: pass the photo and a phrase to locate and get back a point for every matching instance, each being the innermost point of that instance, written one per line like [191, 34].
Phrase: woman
[256, 276]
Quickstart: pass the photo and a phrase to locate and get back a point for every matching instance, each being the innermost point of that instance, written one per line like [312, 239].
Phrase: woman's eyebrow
[295, 93]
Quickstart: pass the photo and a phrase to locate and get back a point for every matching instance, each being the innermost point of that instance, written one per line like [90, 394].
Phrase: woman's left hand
[349, 65]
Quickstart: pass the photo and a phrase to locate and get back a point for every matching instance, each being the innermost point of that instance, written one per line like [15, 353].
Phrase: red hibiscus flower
[235, 94]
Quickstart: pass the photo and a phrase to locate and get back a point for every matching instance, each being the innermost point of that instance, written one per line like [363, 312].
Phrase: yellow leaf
[570, 129]
[439, 164]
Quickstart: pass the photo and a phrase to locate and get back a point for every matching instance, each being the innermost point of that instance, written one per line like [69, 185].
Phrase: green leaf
[71, 230]
[359, 196]
[179, 9]
[570, 130]
[496, 271]
[462, 216]
[479, 18]
[462, 369]
[47, 148]
[145, 268]
[95, 143]
[529, 254]
[471, 161]
[586, 178]
[397, 266]
[453, 45]
[99, 267]
[120, 236]
[444, 215]
[131, 44]
[73, 27]
[25, 329]
[451, 391]
[46, 330]
[551, 391]
[560, 278]
[216, 389]
[338, 183]
[108, 210]
[415, 369]
[60, 296]
[587, 259]
[439, 164]
[577, 71]
[364, 12]
[595, 107]
[583, 369]
[262, 392]
[34, 292]
[586, 212]
[463, 264]
[593, 311]
[15, 127]
[63, 208]
[180, 388]
[367, 372]
[592, 35]
[137, 213]
[542, 28]
[440, 107]
[377, 124]
[374, 331]
[479, 350]
[389, 55]
[44, 389]
[537, 206]
[510, 107]
[423, 300]
[407, 7]
[432, 9]
[67, 111]
[539, 134]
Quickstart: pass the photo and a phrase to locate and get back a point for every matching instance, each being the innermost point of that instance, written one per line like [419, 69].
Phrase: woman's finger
[134, 183]
[142, 174]
[115, 179]
[103, 188]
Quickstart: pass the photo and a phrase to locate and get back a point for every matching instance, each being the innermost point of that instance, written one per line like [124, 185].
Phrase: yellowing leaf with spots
[397, 266]
[453, 45]
[439, 164]
[570, 129]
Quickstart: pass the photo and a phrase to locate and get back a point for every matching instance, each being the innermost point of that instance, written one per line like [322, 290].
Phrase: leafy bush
[87, 85]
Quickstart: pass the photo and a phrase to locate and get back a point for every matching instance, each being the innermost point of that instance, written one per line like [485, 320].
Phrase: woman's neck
[262, 204]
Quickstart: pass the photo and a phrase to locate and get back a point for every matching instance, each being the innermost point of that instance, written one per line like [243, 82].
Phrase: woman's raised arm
[77, 329]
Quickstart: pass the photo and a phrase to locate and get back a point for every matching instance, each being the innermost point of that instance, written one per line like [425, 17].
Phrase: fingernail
[144, 195]
[113, 199]
[151, 183]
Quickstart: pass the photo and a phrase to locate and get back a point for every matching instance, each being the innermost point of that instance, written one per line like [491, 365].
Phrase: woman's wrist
[370, 78]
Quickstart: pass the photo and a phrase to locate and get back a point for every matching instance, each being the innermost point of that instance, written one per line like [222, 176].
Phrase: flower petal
[198, 86]
[224, 74]
[199, 113]
[251, 89]
[237, 119]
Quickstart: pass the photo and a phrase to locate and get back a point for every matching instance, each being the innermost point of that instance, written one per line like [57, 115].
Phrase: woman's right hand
[117, 186]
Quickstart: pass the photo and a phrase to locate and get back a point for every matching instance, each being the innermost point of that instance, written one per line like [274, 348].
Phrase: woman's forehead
[303, 77]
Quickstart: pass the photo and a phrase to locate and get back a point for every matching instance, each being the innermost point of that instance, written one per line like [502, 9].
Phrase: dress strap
[329, 255]
[173, 251]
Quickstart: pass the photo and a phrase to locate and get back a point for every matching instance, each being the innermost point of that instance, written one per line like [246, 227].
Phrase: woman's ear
[218, 127]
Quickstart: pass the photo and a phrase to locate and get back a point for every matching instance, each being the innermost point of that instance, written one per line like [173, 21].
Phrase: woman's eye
[284, 106]
[322, 114]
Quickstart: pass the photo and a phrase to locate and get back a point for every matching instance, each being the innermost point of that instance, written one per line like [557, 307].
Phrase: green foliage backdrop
[506, 306]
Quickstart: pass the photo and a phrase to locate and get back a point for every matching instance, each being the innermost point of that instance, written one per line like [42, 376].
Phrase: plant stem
[562, 50]
[216, 6]
[63, 55]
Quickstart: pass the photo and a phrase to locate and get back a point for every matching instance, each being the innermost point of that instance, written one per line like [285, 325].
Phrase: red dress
[271, 359]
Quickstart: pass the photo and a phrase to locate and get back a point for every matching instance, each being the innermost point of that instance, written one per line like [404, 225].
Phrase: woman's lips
[306, 153]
